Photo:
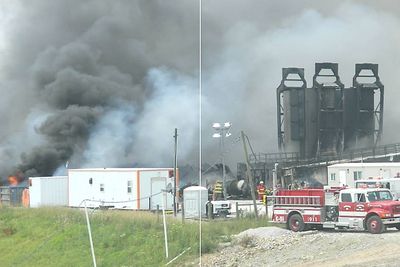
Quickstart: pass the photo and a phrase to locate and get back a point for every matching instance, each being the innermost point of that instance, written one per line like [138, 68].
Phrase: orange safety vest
[261, 189]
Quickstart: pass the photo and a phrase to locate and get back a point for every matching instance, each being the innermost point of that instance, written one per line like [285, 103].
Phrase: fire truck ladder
[310, 201]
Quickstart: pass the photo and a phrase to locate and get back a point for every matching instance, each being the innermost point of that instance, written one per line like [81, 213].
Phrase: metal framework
[330, 133]
[369, 120]
[289, 84]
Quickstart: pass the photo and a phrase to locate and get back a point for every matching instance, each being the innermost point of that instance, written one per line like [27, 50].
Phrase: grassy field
[59, 237]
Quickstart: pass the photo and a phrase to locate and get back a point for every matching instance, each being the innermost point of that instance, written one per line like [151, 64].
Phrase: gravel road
[273, 246]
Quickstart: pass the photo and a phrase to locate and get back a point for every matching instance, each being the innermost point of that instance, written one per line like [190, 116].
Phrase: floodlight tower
[222, 131]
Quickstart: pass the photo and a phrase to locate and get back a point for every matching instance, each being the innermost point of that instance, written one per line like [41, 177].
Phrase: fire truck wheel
[375, 225]
[296, 223]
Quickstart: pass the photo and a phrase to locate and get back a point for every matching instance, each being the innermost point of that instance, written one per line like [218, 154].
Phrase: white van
[393, 184]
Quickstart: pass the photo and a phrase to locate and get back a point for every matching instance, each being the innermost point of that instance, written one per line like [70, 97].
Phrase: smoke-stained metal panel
[364, 108]
[290, 110]
[311, 123]
[326, 82]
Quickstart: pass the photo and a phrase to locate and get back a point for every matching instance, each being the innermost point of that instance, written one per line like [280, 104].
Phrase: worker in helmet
[260, 190]
[217, 191]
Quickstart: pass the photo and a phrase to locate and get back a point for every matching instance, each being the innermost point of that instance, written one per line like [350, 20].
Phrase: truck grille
[396, 209]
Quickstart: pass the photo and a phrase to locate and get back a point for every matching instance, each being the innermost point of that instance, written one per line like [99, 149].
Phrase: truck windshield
[379, 196]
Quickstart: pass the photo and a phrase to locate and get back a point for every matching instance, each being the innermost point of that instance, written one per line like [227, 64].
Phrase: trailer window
[346, 197]
[357, 175]
[101, 187]
[129, 186]
[387, 185]
[333, 176]
[360, 197]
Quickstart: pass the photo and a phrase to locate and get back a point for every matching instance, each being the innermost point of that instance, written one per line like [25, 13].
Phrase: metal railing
[350, 155]
[275, 157]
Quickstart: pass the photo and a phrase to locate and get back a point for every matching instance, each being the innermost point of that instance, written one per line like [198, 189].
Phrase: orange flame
[13, 180]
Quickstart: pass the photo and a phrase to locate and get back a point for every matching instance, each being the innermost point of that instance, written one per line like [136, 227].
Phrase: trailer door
[342, 177]
[157, 185]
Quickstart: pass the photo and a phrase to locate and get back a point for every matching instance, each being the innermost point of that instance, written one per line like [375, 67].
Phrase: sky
[105, 83]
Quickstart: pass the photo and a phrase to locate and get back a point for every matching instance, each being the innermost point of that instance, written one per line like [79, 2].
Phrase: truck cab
[368, 208]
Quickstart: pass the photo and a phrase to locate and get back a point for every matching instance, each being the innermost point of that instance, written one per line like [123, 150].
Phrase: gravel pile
[264, 232]
[275, 247]
[249, 243]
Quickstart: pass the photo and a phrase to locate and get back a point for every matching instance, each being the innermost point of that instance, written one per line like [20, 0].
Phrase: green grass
[59, 237]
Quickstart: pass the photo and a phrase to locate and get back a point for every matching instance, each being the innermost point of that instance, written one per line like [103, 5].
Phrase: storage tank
[48, 191]
[195, 199]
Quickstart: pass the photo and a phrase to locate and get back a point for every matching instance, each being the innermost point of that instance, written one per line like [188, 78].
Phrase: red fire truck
[371, 209]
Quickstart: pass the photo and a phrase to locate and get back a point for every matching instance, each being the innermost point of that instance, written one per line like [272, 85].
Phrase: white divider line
[90, 236]
[178, 256]
[165, 227]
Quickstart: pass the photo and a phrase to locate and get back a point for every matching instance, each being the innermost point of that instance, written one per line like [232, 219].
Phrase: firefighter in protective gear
[261, 190]
[217, 192]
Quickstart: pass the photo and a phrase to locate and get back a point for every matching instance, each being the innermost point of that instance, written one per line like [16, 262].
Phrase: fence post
[266, 207]
[158, 213]
[183, 212]
[237, 210]
[209, 210]
[150, 204]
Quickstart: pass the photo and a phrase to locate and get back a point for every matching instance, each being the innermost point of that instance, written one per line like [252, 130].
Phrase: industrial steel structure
[329, 119]
[364, 108]
[329, 122]
[325, 124]
[291, 110]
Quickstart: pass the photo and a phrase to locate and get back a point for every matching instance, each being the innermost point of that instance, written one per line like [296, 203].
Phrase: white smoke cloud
[174, 104]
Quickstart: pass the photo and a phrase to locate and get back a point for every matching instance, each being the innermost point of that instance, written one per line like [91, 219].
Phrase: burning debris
[13, 180]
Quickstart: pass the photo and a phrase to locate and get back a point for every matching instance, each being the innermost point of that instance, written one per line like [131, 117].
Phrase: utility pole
[175, 167]
[223, 166]
[274, 179]
[249, 174]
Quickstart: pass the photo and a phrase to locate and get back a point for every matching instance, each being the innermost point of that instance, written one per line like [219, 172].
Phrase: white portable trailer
[121, 188]
[347, 173]
[48, 191]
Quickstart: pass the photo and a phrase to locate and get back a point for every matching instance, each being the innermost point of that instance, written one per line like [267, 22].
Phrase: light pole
[222, 132]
